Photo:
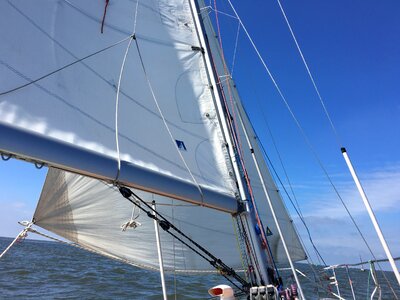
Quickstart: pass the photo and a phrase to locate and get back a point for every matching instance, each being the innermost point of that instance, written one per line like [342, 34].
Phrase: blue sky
[353, 51]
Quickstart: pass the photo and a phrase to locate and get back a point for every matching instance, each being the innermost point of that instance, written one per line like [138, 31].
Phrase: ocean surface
[35, 269]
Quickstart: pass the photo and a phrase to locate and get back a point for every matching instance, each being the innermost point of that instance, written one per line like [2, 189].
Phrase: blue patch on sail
[181, 145]
[269, 232]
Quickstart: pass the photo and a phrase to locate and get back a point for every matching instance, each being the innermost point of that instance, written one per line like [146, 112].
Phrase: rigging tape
[104, 15]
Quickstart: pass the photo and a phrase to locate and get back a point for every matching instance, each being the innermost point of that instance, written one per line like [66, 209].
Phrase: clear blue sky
[353, 50]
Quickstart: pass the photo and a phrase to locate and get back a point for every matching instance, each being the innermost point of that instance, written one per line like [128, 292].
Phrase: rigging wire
[310, 75]
[59, 69]
[235, 49]
[297, 208]
[301, 130]
[319, 96]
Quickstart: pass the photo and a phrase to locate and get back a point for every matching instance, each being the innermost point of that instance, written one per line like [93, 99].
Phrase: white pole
[350, 282]
[160, 259]
[336, 282]
[270, 203]
[371, 215]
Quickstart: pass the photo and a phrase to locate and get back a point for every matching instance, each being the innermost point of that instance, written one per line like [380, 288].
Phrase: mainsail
[134, 106]
[71, 119]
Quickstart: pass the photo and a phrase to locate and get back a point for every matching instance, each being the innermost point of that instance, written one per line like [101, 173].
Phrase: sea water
[50, 270]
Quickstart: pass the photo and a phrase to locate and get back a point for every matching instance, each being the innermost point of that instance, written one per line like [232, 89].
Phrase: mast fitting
[198, 48]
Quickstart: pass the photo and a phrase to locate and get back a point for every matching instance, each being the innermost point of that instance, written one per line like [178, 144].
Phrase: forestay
[68, 119]
[90, 213]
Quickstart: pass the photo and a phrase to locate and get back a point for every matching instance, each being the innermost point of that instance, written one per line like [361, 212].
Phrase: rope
[119, 86]
[19, 237]
[164, 120]
[310, 75]
[132, 223]
[59, 69]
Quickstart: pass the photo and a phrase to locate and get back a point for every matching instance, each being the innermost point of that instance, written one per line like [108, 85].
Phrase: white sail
[292, 240]
[68, 119]
[90, 213]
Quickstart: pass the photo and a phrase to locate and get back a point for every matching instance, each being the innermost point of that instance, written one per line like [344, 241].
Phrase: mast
[256, 163]
[249, 213]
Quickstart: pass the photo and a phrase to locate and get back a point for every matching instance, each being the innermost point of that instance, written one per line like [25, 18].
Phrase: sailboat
[152, 157]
